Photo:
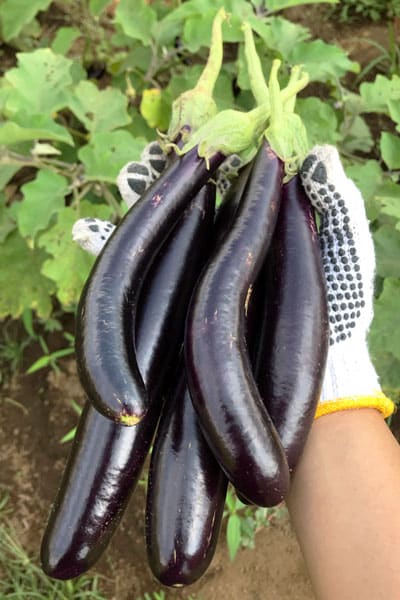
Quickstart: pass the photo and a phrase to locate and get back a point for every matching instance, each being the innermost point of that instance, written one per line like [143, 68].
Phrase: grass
[21, 578]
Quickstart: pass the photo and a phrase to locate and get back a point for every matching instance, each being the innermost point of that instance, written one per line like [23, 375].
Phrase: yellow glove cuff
[377, 400]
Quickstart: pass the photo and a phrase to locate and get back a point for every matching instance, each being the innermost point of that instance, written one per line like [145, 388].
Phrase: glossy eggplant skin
[106, 354]
[229, 205]
[232, 415]
[295, 335]
[106, 458]
[185, 495]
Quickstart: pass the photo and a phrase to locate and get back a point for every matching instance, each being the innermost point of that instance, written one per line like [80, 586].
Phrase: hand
[349, 263]
[133, 180]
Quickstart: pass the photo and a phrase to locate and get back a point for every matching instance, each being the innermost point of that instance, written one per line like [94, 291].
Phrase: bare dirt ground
[36, 413]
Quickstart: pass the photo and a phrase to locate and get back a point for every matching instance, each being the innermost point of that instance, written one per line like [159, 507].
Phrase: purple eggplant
[231, 413]
[185, 496]
[106, 354]
[106, 458]
[295, 331]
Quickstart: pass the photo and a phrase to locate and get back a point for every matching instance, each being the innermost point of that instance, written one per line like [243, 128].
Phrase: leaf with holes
[40, 83]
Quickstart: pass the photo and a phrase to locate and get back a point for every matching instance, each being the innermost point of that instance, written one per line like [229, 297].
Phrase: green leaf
[64, 38]
[385, 329]
[390, 150]
[6, 172]
[32, 127]
[68, 436]
[99, 110]
[368, 178]
[7, 222]
[319, 119]
[40, 82]
[197, 29]
[107, 153]
[394, 112]
[14, 14]
[388, 369]
[356, 135]
[274, 5]
[282, 35]
[378, 93]
[136, 19]
[43, 197]
[233, 535]
[323, 62]
[97, 6]
[389, 197]
[21, 282]
[387, 246]
[230, 500]
[69, 265]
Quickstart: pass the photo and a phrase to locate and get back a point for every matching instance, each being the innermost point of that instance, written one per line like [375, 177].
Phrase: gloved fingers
[346, 243]
[133, 180]
[155, 158]
[137, 176]
[92, 234]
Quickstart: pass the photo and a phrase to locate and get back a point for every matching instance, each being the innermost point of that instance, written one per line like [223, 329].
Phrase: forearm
[344, 507]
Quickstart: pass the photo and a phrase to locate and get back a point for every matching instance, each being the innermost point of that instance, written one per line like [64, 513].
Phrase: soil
[36, 412]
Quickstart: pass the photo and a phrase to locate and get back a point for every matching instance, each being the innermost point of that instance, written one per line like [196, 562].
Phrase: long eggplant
[295, 333]
[106, 355]
[185, 495]
[106, 458]
[186, 487]
[232, 415]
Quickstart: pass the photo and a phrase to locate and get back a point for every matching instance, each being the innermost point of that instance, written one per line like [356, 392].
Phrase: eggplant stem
[258, 84]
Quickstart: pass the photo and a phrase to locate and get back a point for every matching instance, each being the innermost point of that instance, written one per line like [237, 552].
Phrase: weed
[22, 578]
[244, 521]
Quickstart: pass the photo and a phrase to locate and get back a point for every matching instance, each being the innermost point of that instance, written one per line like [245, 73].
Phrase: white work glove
[133, 180]
[348, 257]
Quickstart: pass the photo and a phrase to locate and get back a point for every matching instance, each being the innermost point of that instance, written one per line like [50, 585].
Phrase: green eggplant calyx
[258, 84]
[286, 133]
[230, 132]
[195, 107]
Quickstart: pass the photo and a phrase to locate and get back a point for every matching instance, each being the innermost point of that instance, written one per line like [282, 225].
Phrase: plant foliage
[80, 102]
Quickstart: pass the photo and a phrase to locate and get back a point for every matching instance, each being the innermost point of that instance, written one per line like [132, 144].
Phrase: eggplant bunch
[204, 331]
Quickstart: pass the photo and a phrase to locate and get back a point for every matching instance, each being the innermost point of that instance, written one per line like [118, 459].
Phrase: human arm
[343, 505]
[346, 487]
